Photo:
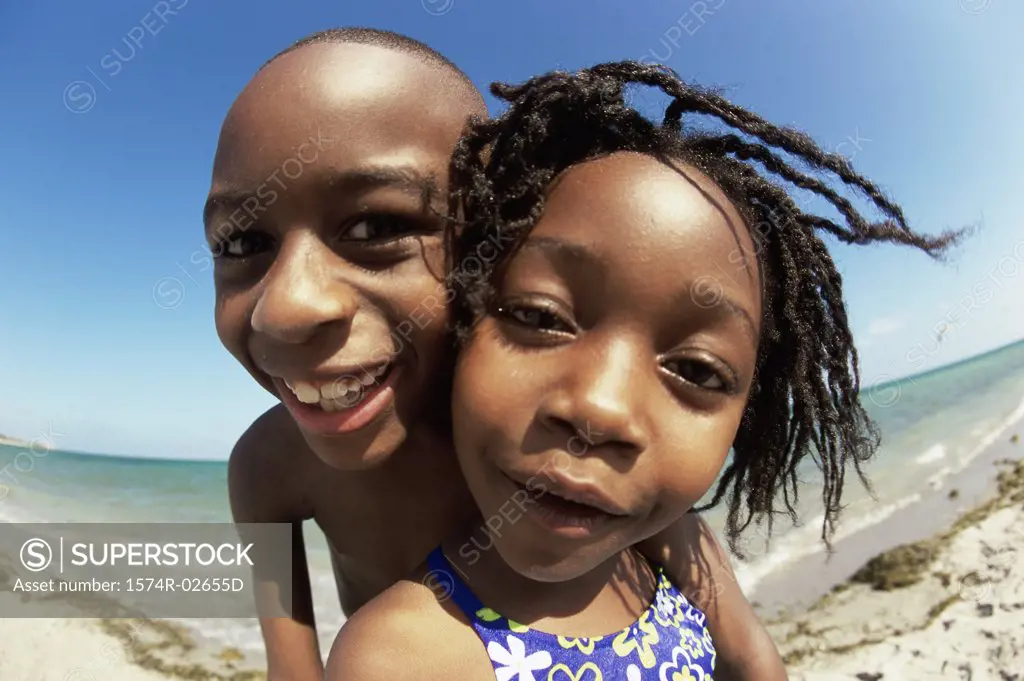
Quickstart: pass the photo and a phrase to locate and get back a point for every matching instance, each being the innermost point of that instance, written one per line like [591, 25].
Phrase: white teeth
[341, 393]
[340, 388]
[349, 399]
[332, 390]
[306, 392]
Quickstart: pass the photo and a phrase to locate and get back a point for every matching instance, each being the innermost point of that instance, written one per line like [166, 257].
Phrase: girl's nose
[599, 403]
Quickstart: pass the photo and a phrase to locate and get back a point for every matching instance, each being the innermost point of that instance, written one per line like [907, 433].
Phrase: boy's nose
[597, 402]
[302, 293]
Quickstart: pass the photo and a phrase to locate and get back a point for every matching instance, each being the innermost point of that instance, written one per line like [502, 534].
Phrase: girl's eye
[535, 318]
[699, 373]
[244, 245]
[379, 228]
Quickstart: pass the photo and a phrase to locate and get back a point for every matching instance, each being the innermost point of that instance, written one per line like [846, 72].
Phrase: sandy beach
[115, 650]
[943, 598]
[123, 649]
[964, 619]
[950, 606]
[15, 442]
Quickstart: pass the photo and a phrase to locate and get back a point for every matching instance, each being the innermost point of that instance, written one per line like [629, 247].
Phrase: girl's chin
[553, 566]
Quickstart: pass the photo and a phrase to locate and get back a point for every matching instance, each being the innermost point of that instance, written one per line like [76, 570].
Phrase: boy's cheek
[230, 320]
[430, 314]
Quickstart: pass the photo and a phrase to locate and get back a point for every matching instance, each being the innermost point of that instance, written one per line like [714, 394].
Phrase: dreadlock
[804, 401]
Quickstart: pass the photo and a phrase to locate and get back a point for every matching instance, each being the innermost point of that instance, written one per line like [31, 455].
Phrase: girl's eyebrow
[725, 306]
[565, 250]
[722, 307]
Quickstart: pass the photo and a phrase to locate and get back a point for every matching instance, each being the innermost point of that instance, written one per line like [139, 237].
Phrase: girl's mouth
[570, 519]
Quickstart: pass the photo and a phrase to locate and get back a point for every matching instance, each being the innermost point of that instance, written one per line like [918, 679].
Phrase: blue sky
[107, 157]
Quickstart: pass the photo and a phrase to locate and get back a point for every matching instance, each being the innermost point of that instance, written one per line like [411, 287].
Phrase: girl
[660, 303]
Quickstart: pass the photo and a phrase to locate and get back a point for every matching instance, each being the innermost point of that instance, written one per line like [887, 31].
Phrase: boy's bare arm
[264, 484]
[697, 563]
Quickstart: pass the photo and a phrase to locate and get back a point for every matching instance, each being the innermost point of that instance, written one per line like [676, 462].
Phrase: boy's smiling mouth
[342, 392]
[343, 403]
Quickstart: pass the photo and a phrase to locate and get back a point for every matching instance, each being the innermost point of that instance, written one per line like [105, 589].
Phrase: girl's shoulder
[410, 631]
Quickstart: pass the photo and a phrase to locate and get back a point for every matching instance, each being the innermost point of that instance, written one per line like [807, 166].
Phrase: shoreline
[927, 592]
[793, 587]
[15, 442]
[932, 605]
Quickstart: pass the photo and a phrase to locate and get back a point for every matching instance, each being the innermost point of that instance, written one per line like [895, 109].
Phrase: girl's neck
[606, 599]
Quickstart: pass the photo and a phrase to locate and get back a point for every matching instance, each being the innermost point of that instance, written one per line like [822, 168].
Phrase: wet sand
[934, 592]
[797, 586]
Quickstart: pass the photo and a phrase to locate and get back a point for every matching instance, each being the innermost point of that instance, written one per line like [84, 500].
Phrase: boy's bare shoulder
[407, 632]
[268, 470]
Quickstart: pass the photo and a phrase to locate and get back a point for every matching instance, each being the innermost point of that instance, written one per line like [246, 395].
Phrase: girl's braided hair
[805, 397]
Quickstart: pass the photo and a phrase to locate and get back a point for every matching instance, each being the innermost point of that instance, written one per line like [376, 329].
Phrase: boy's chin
[366, 449]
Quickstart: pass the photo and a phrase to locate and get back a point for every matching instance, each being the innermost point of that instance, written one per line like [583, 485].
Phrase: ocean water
[932, 426]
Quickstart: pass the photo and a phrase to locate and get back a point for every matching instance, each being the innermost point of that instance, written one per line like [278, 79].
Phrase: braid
[804, 401]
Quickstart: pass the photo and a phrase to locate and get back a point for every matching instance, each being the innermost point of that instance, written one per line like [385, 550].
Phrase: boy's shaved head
[382, 38]
[324, 216]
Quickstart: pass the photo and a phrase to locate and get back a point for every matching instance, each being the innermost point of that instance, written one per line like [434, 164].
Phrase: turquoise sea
[932, 425]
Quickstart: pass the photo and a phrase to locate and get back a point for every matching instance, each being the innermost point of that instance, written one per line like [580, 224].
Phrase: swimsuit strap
[450, 584]
[668, 640]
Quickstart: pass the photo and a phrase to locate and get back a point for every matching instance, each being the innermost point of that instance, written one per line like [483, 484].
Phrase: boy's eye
[698, 372]
[535, 318]
[242, 245]
[379, 228]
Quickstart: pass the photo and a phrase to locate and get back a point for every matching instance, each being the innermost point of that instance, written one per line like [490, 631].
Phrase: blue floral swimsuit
[669, 642]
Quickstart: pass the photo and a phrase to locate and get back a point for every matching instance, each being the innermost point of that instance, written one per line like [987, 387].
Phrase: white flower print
[680, 668]
[516, 664]
[666, 606]
[695, 615]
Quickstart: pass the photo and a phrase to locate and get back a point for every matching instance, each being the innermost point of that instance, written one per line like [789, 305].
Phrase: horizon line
[177, 459]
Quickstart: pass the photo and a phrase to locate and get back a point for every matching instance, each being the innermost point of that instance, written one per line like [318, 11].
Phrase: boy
[323, 214]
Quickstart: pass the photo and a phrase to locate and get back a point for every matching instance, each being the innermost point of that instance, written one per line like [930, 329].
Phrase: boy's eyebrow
[723, 305]
[405, 178]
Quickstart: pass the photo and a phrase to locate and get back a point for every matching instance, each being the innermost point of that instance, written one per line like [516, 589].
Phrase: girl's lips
[311, 418]
[560, 516]
[572, 489]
